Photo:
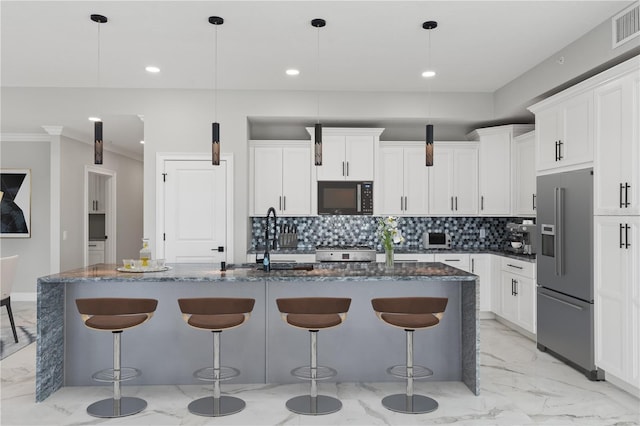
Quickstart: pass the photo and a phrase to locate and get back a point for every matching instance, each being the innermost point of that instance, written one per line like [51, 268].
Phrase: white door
[296, 181]
[546, 139]
[333, 163]
[465, 179]
[359, 157]
[416, 182]
[525, 176]
[267, 179]
[390, 184]
[441, 181]
[495, 174]
[195, 222]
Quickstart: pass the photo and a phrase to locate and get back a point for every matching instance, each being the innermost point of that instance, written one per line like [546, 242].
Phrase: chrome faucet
[266, 261]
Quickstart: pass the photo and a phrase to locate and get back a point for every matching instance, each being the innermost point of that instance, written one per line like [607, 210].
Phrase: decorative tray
[144, 269]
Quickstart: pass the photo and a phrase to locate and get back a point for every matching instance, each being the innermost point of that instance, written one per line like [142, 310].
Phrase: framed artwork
[15, 203]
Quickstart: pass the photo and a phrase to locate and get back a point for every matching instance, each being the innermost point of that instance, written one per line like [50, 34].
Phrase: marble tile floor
[519, 386]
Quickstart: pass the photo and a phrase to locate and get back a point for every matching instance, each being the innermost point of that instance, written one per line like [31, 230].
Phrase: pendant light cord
[429, 79]
[99, 44]
[215, 74]
[318, 73]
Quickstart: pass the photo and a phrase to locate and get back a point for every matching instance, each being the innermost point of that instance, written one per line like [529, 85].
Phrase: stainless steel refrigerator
[565, 269]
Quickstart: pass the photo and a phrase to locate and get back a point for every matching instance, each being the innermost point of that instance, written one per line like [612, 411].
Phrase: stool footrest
[419, 372]
[207, 374]
[109, 375]
[322, 372]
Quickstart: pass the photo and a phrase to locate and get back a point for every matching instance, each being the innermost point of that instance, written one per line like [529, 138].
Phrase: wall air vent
[626, 25]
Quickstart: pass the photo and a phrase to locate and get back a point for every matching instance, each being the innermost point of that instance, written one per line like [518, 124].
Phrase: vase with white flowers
[389, 235]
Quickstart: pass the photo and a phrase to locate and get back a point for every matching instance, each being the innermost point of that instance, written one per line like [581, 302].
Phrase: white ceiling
[478, 46]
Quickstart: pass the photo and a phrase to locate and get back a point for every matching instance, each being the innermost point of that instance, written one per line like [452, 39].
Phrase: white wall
[34, 252]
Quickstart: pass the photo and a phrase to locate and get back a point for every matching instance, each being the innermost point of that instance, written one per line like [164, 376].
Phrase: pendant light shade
[97, 142]
[318, 23]
[429, 146]
[429, 25]
[97, 127]
[215, 126]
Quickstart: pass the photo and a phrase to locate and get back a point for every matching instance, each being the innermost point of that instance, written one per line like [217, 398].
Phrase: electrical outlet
[483, 233]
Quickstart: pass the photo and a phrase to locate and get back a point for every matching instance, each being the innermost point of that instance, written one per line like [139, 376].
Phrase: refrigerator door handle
[559, 219]
[580, 308]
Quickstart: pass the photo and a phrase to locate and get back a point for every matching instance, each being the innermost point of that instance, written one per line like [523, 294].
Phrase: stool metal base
[416, 404]
[321, 404]
[223, 406]
[111, 408]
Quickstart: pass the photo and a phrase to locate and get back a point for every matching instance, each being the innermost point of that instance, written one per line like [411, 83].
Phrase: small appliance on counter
[522, 237]
[345, 254]
[436, 240]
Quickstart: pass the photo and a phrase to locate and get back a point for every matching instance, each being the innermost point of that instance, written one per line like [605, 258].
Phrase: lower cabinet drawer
[460, 261]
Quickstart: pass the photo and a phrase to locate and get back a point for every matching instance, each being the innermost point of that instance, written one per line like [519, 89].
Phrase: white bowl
[516, 244]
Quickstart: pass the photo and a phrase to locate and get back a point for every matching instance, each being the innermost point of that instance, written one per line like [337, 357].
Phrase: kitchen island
[265, 349]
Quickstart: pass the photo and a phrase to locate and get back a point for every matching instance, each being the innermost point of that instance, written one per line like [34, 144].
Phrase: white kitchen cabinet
[96, 193]
[617, 297]
[524, 175]
[281, 178]
[518, 293]
[482, 266]
[453, 187]
[96, 252]
[402, 180]
[617, 145]
[348, 154]
[494, 167]
[564, 131]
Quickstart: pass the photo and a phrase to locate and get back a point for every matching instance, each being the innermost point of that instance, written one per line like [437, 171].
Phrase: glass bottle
[145, 252]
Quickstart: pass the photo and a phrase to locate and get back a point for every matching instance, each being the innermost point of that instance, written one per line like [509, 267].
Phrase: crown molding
[24, 137]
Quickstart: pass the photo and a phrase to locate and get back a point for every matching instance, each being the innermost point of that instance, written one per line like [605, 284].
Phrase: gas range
[345, 254]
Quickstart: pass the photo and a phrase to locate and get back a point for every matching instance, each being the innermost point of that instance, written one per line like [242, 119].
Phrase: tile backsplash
[361, 230]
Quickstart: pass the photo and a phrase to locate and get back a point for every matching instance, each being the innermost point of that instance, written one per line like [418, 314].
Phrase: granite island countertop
[192, 272]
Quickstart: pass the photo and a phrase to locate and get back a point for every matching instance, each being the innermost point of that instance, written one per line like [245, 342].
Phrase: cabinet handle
[620, 195]
[97, 205]
[347, 168]
[560, 156]
[473, 266]
[452, 260]
[456, 203]
[405, 203]
[621, 228]
[482, 202]
[580, 308]
[451, 203]
[626, 194]
[533, 201]
[515, 266]
[556, 150]
[280, 202]
[513, 293]
[284, 202]
[515, 282]
[401, 203]
[626, 236]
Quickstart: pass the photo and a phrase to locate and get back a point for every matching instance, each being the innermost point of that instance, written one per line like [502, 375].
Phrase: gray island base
[265, 349]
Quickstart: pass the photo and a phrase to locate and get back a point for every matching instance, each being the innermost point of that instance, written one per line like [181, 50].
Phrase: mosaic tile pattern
[361, 230]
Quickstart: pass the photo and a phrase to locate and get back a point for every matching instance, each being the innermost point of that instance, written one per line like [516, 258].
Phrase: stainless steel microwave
[345, 197]
[436, 240]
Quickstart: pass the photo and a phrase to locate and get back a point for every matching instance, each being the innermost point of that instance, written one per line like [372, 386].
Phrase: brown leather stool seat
[116, 315]
[216, 314]
[314, 314]
[410, 314]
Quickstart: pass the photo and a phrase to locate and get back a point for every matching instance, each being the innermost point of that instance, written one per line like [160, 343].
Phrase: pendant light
[318, 23]
[97, 125]
[215, 126]
[429, 25]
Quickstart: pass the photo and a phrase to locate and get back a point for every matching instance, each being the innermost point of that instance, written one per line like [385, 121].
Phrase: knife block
[288, 240]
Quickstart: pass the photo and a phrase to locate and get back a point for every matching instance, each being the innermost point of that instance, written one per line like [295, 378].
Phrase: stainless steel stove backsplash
[361, 230]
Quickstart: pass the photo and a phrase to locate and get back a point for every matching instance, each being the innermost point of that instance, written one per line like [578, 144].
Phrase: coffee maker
[522, 237]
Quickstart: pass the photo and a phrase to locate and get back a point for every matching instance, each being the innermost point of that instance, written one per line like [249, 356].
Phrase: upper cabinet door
[547, 138]
[390, 184]
[334, 166]
[524, 171]
[267, 179]
[359, 158]
[416, 182]
[296, 180]
[495, 174]
[465, 181]
[617, 147]
[441, 181]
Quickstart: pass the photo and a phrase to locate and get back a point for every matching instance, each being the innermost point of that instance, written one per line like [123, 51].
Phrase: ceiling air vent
[626, 25]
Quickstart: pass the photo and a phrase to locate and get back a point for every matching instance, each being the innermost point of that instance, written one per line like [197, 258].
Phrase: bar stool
[410, 314]
[116, 315]
[313, 314]
[215, 315]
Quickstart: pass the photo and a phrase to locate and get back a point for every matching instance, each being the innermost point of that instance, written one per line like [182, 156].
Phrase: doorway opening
[99, 215]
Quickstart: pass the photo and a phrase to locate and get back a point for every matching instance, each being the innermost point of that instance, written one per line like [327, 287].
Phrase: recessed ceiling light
[152, 69]
[142, 142]
[95, 119]
[292, 71]
[428, 74]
